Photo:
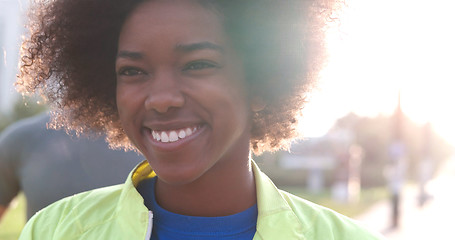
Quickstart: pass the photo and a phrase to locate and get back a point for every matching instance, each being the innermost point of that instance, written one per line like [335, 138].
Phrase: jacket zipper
[149, 227]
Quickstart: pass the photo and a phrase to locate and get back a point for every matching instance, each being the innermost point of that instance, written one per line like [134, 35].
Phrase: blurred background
[379, 129]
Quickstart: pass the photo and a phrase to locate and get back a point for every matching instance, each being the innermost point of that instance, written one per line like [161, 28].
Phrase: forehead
[172, 21]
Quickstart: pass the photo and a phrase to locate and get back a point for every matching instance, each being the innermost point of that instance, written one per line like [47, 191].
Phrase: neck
[227, 188]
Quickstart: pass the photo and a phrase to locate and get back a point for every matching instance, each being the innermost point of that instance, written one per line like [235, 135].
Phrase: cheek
[128, 106]
[230, 103]
[121, 103]
[128, 102]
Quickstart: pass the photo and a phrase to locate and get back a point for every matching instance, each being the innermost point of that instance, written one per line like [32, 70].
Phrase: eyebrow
[180, 48]
[199, 46]
[130, 55]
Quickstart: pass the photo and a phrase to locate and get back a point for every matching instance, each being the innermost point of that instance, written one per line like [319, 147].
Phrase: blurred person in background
[395, 174]
[48, 165]
[426, 166]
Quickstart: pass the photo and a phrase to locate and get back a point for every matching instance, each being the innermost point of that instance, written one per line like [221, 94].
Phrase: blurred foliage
[376, 134]
[367, 198]
[23, 108]
[14, 220]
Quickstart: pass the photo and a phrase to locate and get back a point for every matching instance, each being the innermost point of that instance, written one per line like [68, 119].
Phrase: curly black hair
[69, 58]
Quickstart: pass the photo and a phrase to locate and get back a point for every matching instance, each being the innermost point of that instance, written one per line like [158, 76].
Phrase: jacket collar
[131, 209]
[276, 218]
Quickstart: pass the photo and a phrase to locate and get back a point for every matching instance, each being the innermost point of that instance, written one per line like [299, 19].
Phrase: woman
[194, 86]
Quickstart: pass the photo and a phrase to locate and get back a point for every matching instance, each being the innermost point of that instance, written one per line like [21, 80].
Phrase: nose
[164, 94]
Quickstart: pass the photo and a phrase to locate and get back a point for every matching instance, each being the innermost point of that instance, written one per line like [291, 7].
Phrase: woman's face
[181, 91]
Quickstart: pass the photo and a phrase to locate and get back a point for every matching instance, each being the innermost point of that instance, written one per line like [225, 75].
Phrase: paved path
[433, 221]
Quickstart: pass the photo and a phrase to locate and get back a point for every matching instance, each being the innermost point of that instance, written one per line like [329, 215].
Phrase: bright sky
[381, 47]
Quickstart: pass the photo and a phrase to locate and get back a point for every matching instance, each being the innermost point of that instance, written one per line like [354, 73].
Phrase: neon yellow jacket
[118, 212]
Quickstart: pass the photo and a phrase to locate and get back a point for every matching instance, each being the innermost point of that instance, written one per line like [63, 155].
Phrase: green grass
[368, 197]
[14, 219]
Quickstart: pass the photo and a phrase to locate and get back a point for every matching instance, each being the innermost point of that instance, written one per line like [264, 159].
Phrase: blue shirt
[168, 225]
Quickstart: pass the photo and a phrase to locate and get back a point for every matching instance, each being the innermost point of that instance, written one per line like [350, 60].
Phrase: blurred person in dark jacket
[48, 165]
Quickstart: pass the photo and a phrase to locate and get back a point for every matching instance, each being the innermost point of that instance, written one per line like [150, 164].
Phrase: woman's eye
[130, 72]
[199, 66]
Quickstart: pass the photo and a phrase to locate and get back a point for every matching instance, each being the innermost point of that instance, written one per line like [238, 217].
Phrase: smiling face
[181, 91]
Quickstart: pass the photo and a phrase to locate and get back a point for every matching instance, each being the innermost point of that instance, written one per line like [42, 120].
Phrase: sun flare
[383, 47]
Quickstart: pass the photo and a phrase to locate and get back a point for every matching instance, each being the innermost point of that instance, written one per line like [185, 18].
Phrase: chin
[177, 172]
[178, 179]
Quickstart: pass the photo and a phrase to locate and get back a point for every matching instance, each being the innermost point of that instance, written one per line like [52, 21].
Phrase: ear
[257, 104]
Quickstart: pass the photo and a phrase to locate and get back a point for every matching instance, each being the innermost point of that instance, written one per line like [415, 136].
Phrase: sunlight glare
[381, 48]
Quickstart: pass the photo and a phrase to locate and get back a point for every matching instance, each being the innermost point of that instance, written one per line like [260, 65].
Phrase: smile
[173, 135]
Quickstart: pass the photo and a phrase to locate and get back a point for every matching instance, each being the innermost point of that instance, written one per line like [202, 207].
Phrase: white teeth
[182, 134]
[173, 135]
[164, 137]
[188, 131]
[156, 136]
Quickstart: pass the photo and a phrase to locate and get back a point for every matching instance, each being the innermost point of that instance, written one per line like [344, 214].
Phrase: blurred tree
[23, 108]
[374, 135]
